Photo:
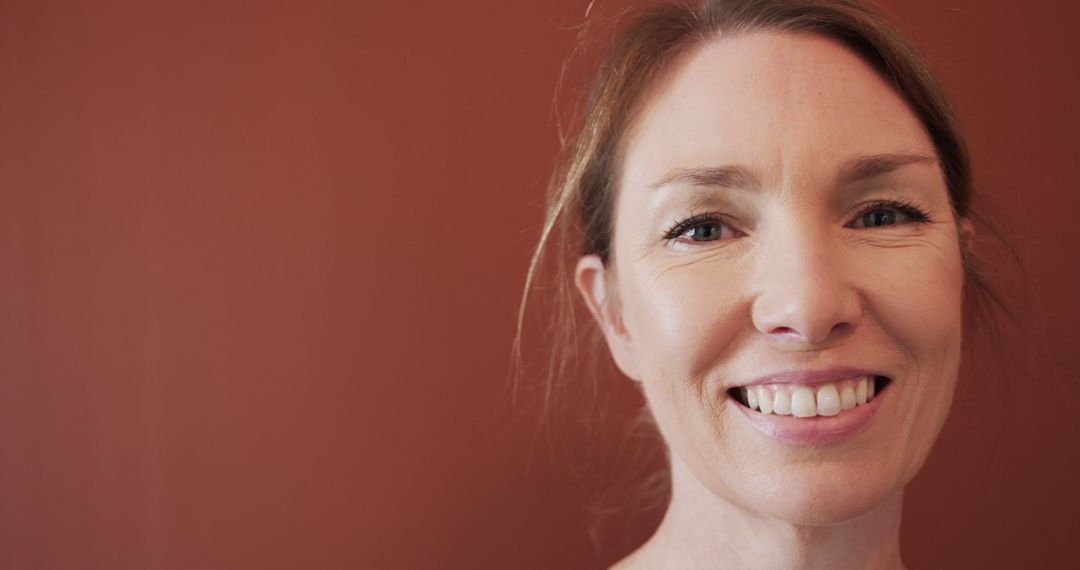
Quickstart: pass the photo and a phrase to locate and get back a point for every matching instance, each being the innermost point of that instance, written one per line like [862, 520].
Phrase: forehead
[785, 105]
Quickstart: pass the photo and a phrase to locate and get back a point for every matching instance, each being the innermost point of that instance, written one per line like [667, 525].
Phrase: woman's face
[782, 227]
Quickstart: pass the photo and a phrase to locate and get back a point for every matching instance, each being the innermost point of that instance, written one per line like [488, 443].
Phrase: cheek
[685, 320]
[917, 308]
[917, 303]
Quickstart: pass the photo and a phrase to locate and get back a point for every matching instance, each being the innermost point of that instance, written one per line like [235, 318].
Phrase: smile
[816, 409]
[827, 400]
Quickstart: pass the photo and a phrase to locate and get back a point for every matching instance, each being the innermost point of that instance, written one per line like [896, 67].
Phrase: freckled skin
[793, 282]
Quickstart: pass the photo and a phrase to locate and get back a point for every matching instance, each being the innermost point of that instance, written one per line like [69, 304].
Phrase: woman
[774, 202]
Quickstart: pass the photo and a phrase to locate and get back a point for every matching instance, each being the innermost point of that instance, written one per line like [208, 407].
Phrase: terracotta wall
[259, 267]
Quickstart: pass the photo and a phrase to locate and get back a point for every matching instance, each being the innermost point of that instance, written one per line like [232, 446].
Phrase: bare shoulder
[640, 559]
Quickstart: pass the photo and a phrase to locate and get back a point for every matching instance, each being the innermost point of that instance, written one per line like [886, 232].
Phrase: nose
[804, 297]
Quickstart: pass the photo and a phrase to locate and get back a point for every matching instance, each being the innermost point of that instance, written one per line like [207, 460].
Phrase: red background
[259, 266]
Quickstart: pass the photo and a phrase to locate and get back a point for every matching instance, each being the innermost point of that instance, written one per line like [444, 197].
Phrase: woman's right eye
[704, 232]
[703, 228]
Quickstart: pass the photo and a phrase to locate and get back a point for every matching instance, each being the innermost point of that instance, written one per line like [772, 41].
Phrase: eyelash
[915, 215]
[679, 227]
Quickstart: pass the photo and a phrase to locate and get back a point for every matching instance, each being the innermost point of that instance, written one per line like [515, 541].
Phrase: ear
[967, 233]
[596, 285]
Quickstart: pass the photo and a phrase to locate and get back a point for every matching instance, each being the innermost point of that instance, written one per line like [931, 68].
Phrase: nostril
[814, 309]
[840, 330]
[814, 335]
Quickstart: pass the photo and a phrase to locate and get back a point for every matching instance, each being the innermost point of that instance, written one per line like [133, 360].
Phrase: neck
[701, 530]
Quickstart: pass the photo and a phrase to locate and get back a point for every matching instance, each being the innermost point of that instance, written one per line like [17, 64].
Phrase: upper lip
[812, 377]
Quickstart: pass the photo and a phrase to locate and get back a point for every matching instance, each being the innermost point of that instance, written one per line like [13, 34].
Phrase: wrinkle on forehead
[753, 99]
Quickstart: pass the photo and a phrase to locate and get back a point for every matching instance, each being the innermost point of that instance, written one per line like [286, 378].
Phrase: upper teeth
[806, 401]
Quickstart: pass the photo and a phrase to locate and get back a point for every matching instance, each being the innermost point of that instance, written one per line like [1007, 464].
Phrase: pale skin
[821, 235]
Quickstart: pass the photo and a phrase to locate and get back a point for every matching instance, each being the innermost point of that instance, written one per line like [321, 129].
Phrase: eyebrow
[866, 167]
[724, 176]
[855, 170]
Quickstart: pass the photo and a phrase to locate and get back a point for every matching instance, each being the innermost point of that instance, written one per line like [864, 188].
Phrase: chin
[827, 498]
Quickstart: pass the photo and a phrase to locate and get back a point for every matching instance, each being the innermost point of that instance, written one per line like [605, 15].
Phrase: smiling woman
[764, 189]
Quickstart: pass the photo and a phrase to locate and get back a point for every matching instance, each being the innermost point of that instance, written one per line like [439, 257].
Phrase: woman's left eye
[888, 214]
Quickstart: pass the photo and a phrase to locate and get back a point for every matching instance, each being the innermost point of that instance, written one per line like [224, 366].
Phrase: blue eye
[879, 218]
[883, 214]
[704, 232]
[701, 228]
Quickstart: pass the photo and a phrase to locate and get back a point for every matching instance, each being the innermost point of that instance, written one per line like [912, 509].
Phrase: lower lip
[818, 430]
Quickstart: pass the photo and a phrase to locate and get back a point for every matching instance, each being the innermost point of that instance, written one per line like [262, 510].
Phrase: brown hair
[580, 208]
